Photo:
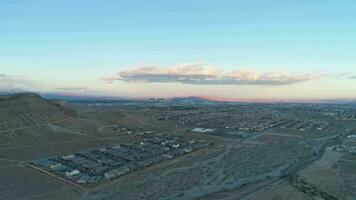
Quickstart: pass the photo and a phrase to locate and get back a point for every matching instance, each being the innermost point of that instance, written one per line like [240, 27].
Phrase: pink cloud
[199, 73]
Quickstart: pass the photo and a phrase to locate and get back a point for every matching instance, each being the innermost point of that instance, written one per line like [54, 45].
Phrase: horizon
[75, 97]
[231, 50]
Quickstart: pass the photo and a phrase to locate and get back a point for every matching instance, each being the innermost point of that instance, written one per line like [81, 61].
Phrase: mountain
[191, 99]
[28, 109]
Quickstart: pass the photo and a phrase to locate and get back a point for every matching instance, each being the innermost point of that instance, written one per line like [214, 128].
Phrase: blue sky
[47, 45]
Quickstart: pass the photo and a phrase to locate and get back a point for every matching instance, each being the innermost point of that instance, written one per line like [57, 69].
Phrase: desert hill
[27, 109]
[32, 127]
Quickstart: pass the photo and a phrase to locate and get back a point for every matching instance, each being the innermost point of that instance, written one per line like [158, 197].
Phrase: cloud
[199, 73]
[72, 89]
[10, 82]
[352, 77]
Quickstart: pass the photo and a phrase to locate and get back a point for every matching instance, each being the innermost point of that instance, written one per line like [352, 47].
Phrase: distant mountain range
[74, 98]
[191, 99]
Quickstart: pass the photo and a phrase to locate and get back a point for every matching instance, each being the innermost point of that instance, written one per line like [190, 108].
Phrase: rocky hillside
[29, 109]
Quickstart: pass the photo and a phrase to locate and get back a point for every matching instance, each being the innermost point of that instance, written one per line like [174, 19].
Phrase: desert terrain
[253, 151]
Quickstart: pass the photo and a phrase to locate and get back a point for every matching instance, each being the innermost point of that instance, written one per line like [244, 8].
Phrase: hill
[27, 109]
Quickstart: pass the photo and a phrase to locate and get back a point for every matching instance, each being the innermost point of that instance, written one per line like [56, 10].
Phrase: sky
[238, 49]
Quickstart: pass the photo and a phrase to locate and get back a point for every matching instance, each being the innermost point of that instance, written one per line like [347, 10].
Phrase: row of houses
[305, 125]
[107, 163]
